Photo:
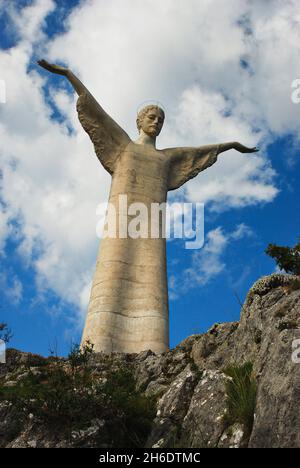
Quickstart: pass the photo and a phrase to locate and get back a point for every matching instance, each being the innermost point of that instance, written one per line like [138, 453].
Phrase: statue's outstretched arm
[187, 162]
[108, 137]
[58, 70]
[182, 152]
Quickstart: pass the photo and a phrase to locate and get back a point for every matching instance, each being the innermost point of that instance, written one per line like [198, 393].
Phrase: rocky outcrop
[188, 386]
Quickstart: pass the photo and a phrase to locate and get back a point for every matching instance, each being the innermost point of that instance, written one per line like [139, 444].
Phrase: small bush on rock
[287, 258]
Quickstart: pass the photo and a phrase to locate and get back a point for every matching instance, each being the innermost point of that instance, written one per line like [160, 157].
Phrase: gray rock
[188, 382]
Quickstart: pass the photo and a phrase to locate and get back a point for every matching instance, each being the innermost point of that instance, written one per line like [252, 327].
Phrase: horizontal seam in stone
[158, 299]
[128, 316]
[127, 263]
[137, 193]
[123, 279]
[129, 306]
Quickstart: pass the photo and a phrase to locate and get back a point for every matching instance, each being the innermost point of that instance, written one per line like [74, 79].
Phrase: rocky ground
[238, 385]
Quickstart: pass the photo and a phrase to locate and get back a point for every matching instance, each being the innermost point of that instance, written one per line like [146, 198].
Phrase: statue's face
[152, 122]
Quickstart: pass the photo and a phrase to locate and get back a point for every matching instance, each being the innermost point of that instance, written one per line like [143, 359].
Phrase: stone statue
[128, 307]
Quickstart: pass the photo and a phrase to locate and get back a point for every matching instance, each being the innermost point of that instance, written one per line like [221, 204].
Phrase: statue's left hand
[53, 68]
[244, 149]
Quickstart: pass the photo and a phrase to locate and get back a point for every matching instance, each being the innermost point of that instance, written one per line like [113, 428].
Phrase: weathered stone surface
[128, 307]
[188, 382]
[172, 408]
[203, 424]
[232, 437]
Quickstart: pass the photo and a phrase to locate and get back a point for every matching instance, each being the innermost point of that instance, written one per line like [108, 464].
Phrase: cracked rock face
[189, 382]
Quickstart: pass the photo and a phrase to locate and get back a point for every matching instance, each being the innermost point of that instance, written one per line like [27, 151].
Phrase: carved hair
[145, 111]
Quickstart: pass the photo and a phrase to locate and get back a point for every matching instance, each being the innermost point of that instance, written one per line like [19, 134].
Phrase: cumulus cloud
[222, 73]
[51, 182]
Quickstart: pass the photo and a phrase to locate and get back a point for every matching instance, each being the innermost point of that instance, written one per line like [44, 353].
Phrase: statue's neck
[145, 139]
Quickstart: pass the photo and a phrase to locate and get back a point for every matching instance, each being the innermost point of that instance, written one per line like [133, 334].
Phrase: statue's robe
[128, 307]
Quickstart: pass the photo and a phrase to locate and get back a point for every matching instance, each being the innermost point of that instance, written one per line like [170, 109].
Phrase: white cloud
[28, 25]
[5, 228]
[11, 287]
[207, 263]
[237, 179]
[186, 55]
[51, 181]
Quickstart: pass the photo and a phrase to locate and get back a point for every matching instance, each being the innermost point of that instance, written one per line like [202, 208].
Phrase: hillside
[235, 386]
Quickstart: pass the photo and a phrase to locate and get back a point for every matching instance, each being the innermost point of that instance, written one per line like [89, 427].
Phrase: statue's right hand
[53, 68]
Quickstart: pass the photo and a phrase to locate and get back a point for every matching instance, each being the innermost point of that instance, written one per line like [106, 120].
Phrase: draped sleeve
[108, 137]
[187, 162]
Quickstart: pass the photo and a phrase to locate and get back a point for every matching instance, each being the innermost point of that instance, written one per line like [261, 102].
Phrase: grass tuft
[241, 396]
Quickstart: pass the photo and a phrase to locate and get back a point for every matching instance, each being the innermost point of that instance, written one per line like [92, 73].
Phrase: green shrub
[287, 258]
[53, 396]
[65, 396]
[138, 410]
[241, 396]
[80, 356]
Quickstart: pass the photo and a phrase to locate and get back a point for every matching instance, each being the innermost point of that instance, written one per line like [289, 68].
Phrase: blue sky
[222, 74]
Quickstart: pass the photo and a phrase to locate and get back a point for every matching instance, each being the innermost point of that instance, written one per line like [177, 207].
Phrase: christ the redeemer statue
[128, 308]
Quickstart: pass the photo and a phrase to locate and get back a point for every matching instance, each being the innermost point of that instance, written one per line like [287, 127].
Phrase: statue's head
[150, 119]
